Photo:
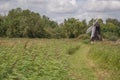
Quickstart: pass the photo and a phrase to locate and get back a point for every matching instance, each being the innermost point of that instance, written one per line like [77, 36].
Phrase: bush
[83, 36]
[110, 36]
[73, 49]
[113, 38]
[87, 41]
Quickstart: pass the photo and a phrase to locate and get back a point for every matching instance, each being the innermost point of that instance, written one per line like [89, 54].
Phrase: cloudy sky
[58, 10]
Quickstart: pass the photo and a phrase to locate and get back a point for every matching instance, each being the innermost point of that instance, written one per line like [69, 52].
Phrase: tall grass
[34, 59]
[107, 56]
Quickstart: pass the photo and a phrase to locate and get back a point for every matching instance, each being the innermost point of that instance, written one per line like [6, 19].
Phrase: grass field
[106, 55]
[58, 59]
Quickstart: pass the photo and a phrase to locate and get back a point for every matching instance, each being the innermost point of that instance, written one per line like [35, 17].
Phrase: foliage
[25, 23]
[110, 29]
[83, 36]
[113, 38]
[73, 27]
[73, 49]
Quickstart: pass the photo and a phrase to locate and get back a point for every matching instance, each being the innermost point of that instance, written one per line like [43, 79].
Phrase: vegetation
[106, 56]
[25, 58]
[58, 59]
[25, 23]
[28, 59]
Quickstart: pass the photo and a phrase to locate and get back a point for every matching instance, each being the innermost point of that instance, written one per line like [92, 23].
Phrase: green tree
[73, 27]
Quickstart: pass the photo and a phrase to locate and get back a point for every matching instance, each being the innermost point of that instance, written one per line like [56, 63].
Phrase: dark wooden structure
[97, 33]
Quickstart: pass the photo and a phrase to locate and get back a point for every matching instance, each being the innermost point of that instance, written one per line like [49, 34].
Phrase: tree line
[25, 23]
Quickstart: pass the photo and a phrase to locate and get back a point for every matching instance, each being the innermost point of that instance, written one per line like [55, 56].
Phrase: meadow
[106, 55]
[58, 59]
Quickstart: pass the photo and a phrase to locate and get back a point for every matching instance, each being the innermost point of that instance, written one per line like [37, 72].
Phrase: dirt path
[83, 68]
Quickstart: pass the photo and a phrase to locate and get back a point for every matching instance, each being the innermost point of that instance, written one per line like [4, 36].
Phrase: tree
[25, 23]
[2, 26]
[73, 27]
[116, 23]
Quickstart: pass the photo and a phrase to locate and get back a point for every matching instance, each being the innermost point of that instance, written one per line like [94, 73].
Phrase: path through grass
[79, 68]
[84, 68]
[55, 59]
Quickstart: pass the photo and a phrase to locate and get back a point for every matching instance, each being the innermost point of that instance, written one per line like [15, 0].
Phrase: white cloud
[5, 6]
[73, 2]
[102, 5]
[62, 6]
[22, 3]
[60, 9]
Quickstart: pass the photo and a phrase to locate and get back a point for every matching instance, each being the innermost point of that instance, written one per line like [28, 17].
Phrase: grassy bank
[107, 57]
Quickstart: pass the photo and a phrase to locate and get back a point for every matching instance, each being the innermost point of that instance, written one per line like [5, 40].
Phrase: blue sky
[58, 10]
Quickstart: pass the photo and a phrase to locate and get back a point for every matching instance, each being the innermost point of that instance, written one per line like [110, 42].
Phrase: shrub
[87, 41]
[113, 38]
[110, 36]
[73, 49]
[83, 36]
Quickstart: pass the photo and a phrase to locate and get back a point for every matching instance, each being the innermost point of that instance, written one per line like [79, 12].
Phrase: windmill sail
[90, 28]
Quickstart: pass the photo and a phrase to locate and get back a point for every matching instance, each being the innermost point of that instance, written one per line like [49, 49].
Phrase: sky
[58, 10]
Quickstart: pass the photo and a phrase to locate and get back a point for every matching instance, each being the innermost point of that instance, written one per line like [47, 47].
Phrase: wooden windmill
[95, 31]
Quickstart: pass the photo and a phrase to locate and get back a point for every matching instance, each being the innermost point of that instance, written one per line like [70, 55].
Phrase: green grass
[58, 59]
[80, 69]
[34, 59]
[107, 57]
